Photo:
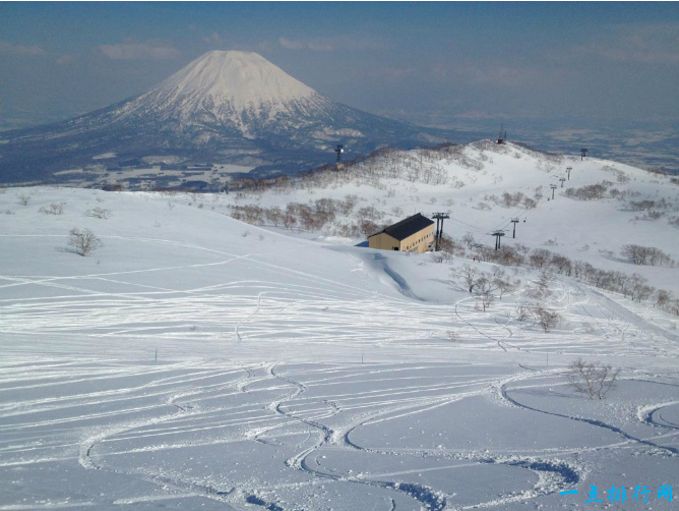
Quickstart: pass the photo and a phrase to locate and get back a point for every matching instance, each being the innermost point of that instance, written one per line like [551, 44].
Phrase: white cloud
[644, 43]
[214, 39]
[7, 48]
[327, 44]
[313, 45]
[65, 59]
[130, 50]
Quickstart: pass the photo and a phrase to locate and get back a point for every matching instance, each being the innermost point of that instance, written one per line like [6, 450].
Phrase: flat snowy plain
[197, 362]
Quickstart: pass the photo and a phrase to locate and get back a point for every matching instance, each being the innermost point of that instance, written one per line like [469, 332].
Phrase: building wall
[383, 241]
[418, 242]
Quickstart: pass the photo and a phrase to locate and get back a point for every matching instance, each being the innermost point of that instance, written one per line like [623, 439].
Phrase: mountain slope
[226, 107]
[604, 206]
[196, 362]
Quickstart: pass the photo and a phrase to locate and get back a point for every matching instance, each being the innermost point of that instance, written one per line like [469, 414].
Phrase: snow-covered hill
[194, 361]
[604, 205]
[224, 108]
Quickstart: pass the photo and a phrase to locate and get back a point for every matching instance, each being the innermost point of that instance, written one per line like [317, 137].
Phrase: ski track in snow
[112, 417]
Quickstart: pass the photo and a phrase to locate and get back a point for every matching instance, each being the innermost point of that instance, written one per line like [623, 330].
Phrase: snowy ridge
[602, 207]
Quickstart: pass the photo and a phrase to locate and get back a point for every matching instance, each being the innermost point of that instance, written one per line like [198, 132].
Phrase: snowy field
[197, 362]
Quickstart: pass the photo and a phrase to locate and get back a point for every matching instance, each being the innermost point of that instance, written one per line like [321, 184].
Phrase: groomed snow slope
[193, 361]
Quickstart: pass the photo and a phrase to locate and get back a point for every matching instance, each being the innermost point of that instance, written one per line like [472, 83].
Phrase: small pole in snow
[568, 169]
[155, 356]
[562, 179]
[583, 153]
[361, 357]
[548, 359]
[553, 187]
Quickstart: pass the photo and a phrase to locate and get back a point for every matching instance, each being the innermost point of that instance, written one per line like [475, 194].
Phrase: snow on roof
[407, 227]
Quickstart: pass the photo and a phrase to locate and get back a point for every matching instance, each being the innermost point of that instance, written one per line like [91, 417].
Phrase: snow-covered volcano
[238, 90]
[225, 107]
[242, 80]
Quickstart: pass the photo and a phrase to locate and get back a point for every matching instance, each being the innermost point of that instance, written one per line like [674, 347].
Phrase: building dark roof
[401, 230]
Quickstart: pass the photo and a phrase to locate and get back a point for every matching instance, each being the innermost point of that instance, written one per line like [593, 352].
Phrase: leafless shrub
[468, 239]
[368, 227]
[24, 199]
[642, 205]
[636, 288]
[529, 203]
[502, 283]
[485, 290]
[547, 319]
[561, 264]
[449, 246]
[594, 380]
[522, 312]
[541, 289]
[83, 241]
[99, 213]
[589, 192]
[539, 257]
[662, 298]
[508, 256]
[56, 208]
[649, 256]
[469, 275]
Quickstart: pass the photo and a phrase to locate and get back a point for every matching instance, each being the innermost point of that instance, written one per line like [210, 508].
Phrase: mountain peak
[238, 78]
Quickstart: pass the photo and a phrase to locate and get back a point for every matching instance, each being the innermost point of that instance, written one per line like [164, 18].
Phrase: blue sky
[599, 62]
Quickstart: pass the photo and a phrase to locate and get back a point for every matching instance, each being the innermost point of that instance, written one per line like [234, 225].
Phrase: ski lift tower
[439, 230]
[515, 221]
[498, 235]
[502, 136]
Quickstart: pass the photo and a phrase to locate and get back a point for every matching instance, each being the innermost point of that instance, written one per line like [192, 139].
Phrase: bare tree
[592, 379]
[368, 227]
[470, 276]
[650, 256]
[501, 283]
[543, 283]
[485, 290]
[83, 241]
[539, 257]
[522, 312]
[546, 319]
[468, 239]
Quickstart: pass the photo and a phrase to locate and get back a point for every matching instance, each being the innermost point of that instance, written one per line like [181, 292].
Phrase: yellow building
[414, 234]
